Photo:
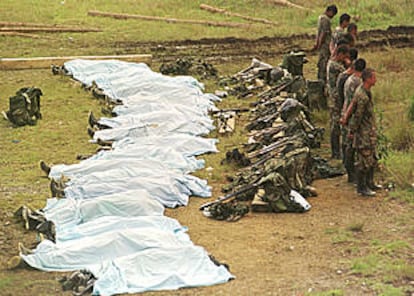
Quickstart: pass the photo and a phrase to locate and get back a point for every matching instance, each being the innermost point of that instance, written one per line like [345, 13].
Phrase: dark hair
[367, 73]
[351, 27]
[359, 65]
[332, 8]
[353, 53]
[346, 39]
[344, 18]
[344, 49]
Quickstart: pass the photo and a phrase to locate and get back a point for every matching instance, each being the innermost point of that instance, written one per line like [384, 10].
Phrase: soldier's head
[347, 38]
[368, 77]
[342, 52]
[359, 65]
[352, 29]
[353, 54]
[331, 10]
[344, 20]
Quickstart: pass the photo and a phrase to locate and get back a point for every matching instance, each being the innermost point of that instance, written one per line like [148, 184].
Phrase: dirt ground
[269, 254]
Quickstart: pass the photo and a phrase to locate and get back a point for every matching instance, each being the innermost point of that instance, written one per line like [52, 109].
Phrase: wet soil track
[234, 48]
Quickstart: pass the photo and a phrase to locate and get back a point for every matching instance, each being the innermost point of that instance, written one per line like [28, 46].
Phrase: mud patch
[230, 47]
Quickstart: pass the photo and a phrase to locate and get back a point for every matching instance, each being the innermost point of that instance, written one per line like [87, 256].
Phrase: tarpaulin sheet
[111, 221]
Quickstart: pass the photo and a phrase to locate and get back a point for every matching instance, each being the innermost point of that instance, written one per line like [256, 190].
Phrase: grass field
[372, 243]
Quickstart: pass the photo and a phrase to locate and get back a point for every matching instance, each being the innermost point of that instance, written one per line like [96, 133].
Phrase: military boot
[335, 146]
[44, 167]
[370, 180]
[47, 228]
[92, 121]
[56, 190]
[258, 204]
[91, 132]
[362, 187]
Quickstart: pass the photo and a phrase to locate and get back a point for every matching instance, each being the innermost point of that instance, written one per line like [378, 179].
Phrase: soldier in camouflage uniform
[323, 39]
[352, 30]
[350, 86]
[344, 21]
[340, 82]
[363, 131]
[334, 68]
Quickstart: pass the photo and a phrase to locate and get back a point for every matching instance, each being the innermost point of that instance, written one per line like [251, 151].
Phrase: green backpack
[24, 107]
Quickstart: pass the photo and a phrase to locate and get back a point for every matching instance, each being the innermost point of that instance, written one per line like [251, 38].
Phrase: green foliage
[400, 168]
[402, 138]
[411, 109]
[383, 143]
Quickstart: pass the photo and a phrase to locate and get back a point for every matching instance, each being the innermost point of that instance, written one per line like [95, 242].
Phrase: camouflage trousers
[365, 159]
[335, 127]
[324, 55]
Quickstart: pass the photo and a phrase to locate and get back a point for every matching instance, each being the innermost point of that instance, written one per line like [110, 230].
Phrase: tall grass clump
[411, 110]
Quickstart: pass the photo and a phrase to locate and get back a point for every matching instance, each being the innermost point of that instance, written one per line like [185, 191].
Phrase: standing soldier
[344, 21]
[334, 68]
[323, 40]
[350, 86]
[352, 30]
[363, 130]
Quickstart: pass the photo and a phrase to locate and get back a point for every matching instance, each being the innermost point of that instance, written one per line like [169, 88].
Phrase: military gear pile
[24, 107]
[279, 165]
[187, 66]
[266, 81]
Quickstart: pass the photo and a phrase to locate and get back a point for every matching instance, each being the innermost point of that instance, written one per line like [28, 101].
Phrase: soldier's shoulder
[361, 94]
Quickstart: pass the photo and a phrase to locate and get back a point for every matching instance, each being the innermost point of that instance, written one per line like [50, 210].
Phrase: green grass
[383, 266]
[411, 109]
[388, 290]
[62, 133]
[339, 235]
[74, 12]
[335, 292]
[400, 169]
[4, 282]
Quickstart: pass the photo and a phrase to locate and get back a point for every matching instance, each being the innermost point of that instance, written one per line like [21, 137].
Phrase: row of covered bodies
[111, 221]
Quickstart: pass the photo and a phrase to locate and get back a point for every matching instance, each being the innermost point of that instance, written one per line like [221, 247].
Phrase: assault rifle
[236, 110]
[274, 91]
[233, 195]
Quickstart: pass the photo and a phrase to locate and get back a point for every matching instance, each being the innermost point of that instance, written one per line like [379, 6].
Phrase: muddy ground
[234, 48]
[270, 254]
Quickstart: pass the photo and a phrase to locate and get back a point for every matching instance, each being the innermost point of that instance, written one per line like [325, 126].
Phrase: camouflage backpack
[293, 62]
[24, 107]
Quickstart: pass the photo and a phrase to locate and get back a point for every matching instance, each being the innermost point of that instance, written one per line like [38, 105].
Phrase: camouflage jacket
[340, 84]
[336, 35]
[350, 86]
[362, 125]
[324, 26]
[333, 70]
